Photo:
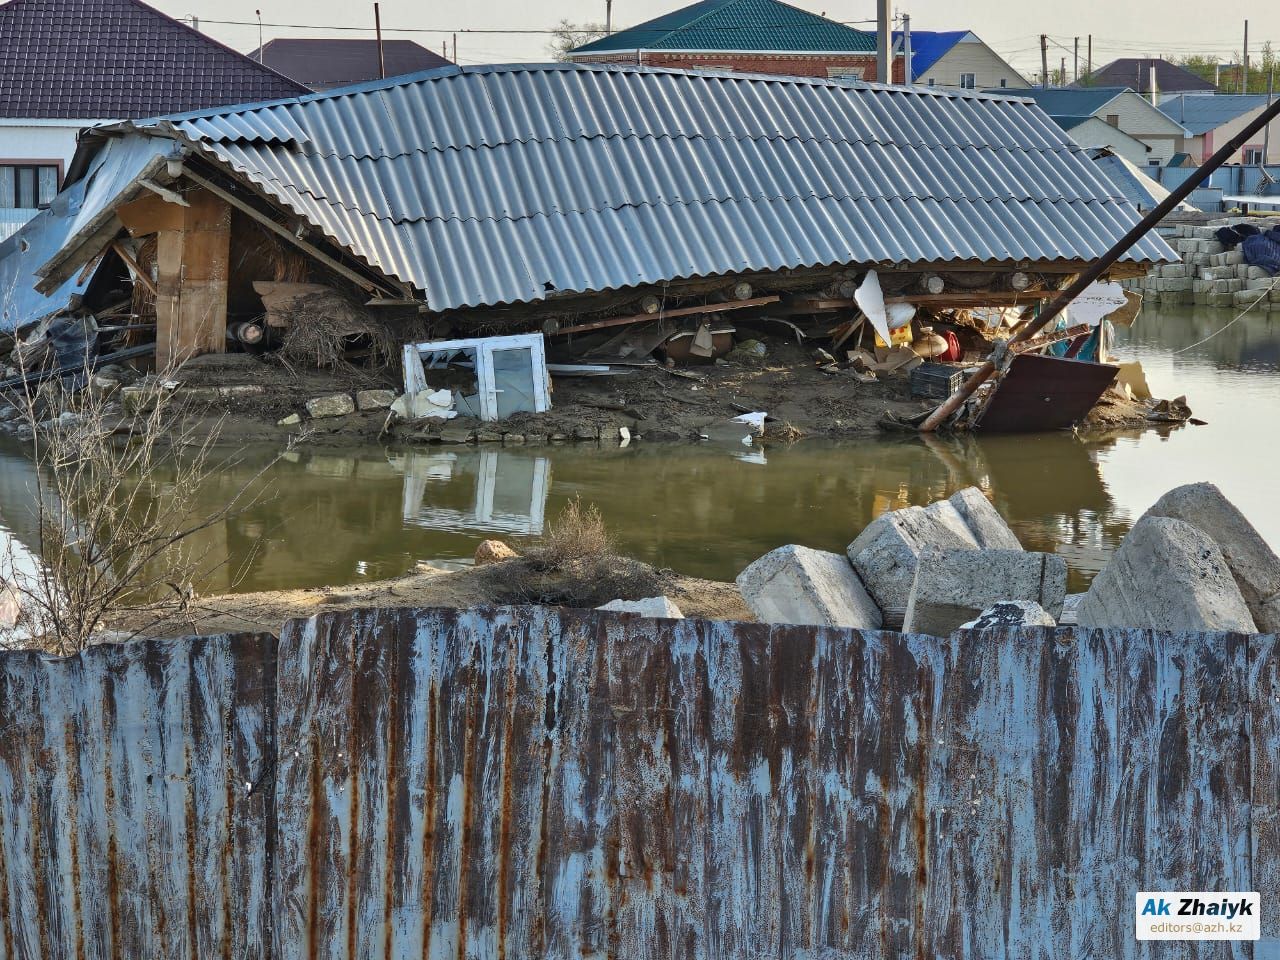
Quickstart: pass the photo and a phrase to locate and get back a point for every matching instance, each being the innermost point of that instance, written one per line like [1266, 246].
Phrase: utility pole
[906, 50]
[608, 17]
[377, 26]
[1044, 61]
[259, 13]
[1088, 60]
[1244, 85]
[1266, 131]
[884, 41]
[1062, 72]
[455, 48]
[1075, 63]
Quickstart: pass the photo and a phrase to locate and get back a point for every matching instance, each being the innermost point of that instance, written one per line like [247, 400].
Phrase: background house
[70, 64]
[1212, 121]
[1135, 73]
[324, 63]
[958, 58]
[754, 36]
[1115, 118]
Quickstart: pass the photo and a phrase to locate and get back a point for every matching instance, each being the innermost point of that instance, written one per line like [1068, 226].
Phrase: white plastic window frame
[415, 375]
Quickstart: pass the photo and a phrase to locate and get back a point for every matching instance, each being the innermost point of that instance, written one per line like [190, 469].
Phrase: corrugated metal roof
[1200, 113]
[1142, 191]
[112, 173]
[758, 25]
[501, 184]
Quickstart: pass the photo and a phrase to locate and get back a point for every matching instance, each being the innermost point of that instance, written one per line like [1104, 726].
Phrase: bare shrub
[578, 536]
[115, 504]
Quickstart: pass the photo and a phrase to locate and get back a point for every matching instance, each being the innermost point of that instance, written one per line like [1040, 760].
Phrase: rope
[1240, 316]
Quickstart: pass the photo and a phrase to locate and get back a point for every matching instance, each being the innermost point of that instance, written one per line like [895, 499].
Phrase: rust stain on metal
[533, 782]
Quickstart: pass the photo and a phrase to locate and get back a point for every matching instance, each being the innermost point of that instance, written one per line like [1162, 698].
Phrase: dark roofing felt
[118, 60]
[1135, 73]
[323, 62]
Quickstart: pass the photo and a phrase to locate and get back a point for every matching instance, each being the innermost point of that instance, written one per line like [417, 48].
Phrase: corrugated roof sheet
[113, 172]
[1143, 192]
[1200, 113]
[737, 25]
[502, 184]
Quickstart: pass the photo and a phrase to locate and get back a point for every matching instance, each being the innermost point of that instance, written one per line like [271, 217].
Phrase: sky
[1120, 29]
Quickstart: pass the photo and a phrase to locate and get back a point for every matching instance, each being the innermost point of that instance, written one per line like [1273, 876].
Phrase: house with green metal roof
[751, 36]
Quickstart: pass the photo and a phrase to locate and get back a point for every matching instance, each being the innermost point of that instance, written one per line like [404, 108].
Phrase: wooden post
[191, 299]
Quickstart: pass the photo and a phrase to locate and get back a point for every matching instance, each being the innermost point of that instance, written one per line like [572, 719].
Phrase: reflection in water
[510, 491]
[334, 517]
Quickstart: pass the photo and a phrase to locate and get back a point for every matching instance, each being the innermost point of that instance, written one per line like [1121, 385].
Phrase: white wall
[50, 141]
[1098, 133]
[972, 56]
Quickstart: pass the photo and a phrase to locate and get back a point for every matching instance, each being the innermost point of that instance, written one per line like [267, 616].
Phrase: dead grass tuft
[577, 537]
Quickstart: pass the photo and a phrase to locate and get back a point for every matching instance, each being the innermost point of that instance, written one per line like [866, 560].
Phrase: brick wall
[794, 65]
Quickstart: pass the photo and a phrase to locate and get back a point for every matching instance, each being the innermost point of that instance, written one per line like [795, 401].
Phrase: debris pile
[1191, 563]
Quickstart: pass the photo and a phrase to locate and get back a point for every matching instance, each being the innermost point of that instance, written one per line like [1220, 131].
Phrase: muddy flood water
[333, 517]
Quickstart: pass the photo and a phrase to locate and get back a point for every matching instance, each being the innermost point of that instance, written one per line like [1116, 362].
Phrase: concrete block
[795, 584]
[1254, 566]
[1231, 258]
[1255, 273]
[886, 552]
[1228, 286]
[953, 587]
[1197, 260]
[1173, 270]
[1221, 299]
[656, 608]
[1166, 575]
[337, 405]
[1261, 283]
[375, 399]
[1211, 246]
[1011, 613]
[985, 524]
[1218, 273]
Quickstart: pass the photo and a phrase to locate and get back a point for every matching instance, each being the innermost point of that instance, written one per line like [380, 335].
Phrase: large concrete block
[886, 552]
[953, 587]
[1166, 575]
[985, 524]
[1253, 564]
[795, 584]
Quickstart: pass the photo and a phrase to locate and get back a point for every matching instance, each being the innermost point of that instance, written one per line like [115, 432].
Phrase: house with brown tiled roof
[70, 64]
[322, 63]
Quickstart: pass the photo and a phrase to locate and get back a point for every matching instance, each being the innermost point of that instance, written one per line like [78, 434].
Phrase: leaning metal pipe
[1103, 264]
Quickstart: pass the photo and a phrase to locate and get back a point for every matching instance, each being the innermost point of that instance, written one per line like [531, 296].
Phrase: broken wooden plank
[1048, 339]
[678, 312]
[139, 276]
[992, 298]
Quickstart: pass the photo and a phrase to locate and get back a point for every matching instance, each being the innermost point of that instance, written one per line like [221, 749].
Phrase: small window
[1004, 82]
[27, 186]
[933, 82]
[1252, 156]
[1113, 119]
[968, 81]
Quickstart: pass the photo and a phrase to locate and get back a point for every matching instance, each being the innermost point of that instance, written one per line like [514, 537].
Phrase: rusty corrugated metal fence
[540, 783]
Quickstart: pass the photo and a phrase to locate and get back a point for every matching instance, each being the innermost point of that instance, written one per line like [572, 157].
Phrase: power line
[518, 31]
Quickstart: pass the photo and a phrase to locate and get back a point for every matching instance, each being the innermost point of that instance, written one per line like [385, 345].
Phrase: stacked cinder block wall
[1210, 274]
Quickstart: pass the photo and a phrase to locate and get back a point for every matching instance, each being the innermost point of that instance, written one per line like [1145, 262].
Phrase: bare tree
[567, 37]
[115, 550]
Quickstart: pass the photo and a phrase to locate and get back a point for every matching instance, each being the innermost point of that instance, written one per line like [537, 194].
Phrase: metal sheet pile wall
[533, 782]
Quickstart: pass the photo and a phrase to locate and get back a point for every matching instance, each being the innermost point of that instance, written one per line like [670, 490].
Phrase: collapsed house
[575, 202]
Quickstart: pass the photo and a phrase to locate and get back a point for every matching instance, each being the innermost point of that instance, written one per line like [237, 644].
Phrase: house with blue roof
[1116, 118]
[957, 59]
[747, 36]
[1212, 121]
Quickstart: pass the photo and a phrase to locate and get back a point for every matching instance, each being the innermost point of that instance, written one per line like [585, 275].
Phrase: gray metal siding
[491, 185]
[531, 782]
